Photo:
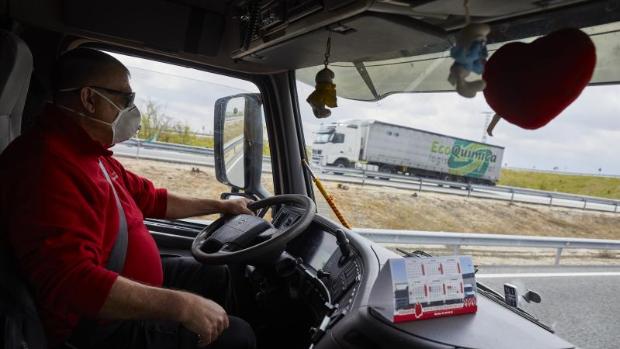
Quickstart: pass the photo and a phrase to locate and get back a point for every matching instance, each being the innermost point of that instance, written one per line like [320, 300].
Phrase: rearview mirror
[238, 141]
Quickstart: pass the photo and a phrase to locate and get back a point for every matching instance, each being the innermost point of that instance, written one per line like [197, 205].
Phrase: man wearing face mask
[63, 202]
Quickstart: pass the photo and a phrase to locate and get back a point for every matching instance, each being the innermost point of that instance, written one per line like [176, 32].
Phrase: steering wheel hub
[245, 238]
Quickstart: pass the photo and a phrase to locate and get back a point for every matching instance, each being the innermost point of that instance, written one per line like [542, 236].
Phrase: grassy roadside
[583, 185]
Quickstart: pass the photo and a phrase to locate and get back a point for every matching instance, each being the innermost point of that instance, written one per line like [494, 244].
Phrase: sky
[583, 138]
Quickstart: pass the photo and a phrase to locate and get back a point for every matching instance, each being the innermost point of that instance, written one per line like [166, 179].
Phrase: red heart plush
[530, 84]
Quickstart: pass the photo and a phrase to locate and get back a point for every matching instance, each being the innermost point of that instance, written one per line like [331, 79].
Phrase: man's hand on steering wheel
[236, 206]
[247, 238]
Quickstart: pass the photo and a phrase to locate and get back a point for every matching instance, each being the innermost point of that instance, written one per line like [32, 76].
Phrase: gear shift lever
[343, 244]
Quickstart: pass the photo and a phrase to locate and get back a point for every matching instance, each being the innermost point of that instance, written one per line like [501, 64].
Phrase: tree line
[155, 125]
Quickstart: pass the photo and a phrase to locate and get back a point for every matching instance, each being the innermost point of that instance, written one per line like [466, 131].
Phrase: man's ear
[87, 97]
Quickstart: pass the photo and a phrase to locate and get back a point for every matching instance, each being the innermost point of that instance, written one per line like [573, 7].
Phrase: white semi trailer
[392, 148]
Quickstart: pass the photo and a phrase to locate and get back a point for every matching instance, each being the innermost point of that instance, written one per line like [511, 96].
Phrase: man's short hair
[80, 66]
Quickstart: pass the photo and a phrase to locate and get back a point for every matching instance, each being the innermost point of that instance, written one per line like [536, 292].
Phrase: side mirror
[531, 296]
[238, 141]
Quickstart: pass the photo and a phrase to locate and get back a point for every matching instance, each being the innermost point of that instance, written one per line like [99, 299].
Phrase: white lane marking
[546, 275]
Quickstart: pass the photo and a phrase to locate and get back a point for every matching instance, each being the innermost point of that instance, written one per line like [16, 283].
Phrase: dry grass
[379, 207]
[399, 209]
[584, 185]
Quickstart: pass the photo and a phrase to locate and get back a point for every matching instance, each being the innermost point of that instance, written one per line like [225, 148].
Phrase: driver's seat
[19, 323]
[15, 72]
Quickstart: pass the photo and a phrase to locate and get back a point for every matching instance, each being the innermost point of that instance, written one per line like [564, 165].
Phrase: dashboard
[329, 279]
[338, 288]
[315, 248]
[324, 284]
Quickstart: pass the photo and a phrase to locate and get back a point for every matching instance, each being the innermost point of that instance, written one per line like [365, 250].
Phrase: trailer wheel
[386, 169]
[341, 163]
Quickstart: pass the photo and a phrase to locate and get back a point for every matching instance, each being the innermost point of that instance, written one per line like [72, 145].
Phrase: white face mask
[125, 125]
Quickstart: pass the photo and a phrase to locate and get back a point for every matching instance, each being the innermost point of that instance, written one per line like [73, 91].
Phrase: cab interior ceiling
[267, 36]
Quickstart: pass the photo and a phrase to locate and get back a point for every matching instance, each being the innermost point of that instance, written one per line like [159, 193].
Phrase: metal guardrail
[134, 142]
[476, 189]
[456, 240]
[232, 143]
[168, 146]
[552, 195]
[419, 183]
[565, 173]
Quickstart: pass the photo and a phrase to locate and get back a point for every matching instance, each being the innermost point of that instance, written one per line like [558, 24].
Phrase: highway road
[162, 155]
[582, 304]
[235, 170]
[207, 160]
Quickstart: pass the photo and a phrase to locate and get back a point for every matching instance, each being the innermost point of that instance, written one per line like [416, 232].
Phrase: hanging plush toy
[324, 94]
[469, 54]
[530, 84]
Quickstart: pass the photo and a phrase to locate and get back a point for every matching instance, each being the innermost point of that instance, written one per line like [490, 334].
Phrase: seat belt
[116, 261]
[87, 328]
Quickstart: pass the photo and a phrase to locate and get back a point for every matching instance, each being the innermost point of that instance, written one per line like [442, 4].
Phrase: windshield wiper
[416, 253]
[498, 298]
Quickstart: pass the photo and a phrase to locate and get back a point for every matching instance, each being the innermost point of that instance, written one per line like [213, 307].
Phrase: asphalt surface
[582, 304]
[235, 170]
[165, 155]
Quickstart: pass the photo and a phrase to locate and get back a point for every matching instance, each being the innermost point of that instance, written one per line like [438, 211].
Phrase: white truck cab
[338, 144]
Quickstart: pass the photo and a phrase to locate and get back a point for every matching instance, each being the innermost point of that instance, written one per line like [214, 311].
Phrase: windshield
[323, 138]
[423, 164]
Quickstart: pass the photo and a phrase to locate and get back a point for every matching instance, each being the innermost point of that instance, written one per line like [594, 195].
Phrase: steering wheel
[243, 238]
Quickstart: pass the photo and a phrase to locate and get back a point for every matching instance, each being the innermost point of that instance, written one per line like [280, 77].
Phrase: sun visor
[374, 35]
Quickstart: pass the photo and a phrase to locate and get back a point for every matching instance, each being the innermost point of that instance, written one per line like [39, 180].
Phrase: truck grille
[316, 156]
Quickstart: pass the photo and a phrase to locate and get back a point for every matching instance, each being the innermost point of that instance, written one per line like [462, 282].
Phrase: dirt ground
[402, 209]
[388, 208]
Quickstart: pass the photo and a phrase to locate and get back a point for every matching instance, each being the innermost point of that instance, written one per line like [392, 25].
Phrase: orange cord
[329, 198]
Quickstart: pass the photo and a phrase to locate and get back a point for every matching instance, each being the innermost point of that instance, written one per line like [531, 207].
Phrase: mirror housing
[531, 296]
[252, 142]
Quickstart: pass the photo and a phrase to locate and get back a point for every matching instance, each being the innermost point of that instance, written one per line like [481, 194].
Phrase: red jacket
[61, 219]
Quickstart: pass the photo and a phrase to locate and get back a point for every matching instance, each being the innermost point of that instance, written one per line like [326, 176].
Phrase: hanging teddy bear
[470, 54]
[324, 94]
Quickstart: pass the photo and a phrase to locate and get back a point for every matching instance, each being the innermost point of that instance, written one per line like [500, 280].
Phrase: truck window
[174, 147]
[338, 138]
[323, 138]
